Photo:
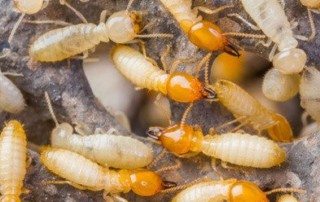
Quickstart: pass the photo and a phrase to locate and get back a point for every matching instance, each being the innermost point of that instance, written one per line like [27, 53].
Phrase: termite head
[28, 6]
[208, 36]
[123, 26]
[178, 139]
[291, 61]
[281, 131]
[10, 198]
[142, 182]
[247, 191]
[60, 132]
[311, 3]
[183, 87]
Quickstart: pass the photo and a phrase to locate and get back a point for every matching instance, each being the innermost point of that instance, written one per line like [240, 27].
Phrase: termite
[248, 110]
[311, 3]
[236, 148]
[13, 157]
[30, 7]
[178, 86]
[272, 20]
[60, 44]
[232, 190]
[106, 149]
[204, 34]
[83, 173]
[11, 99]
[280, 87]
[309, 92]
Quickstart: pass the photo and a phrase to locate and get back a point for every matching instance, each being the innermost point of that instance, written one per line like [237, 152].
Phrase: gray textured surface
[74, 102]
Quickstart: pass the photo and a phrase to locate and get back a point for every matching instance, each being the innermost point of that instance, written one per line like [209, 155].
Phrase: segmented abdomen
[181, 10]
[137, 69]
[11, 99]
[240, 103]
[13, 156]
[110, 150]
[59, 44]
[73, 167]
[244, 150]
[270, 17]
[205, 192]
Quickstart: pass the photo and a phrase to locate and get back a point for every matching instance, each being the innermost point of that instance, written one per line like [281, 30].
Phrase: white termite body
[13, 156]
[59, 44]
[134, 66]
[243, 149]
[11, 99]
[106, 149]
[272, 20]
[287, 198]
[309, 92]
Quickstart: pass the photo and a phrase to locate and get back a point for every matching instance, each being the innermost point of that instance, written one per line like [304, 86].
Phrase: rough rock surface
[75, 103]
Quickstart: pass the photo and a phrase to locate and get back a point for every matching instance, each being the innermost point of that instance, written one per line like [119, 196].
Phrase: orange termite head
[281, 131]
[183, 87]
[178, 139]
[247, 191]
[145, 182]
[208, 36]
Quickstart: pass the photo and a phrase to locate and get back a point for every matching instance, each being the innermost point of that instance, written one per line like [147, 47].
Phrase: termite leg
[66, 182]
[56, 22]
[82, 129]
[25, 190]
[163, 57]
[230, 122]
[12, 74]
[264, 43]
[277, 190]
[240, 126]
[160, 105]
[178, 62]
[201, 63]
[209, 11]
[15, 27]
[228, 166]
[312, 26]
[103, 16]
[249, 24]
[272, 52]
[80, 16]
[29, 161]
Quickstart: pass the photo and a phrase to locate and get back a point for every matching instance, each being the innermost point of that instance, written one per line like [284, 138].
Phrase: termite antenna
[157, 159]
[15, 27]
[155, 35]
[204, 61]
[49, 104]
[296, 190]
[231, 49]
[206, 73]
[245, 35]
[82, 18]
[312, 26]
[129, 5]
[184, 186]
[176, 166]
[185, 114]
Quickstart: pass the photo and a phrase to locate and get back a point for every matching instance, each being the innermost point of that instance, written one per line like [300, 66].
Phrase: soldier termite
[106, 149]
[178, 86]
[236, 148]
[272, 20]
[202, 33]
[280, 87]
[227, 190]
[11, 99]
[309, 92]
[59, 44]
[83, 173]
[13, 156]
[311, 3]
[248, 110]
